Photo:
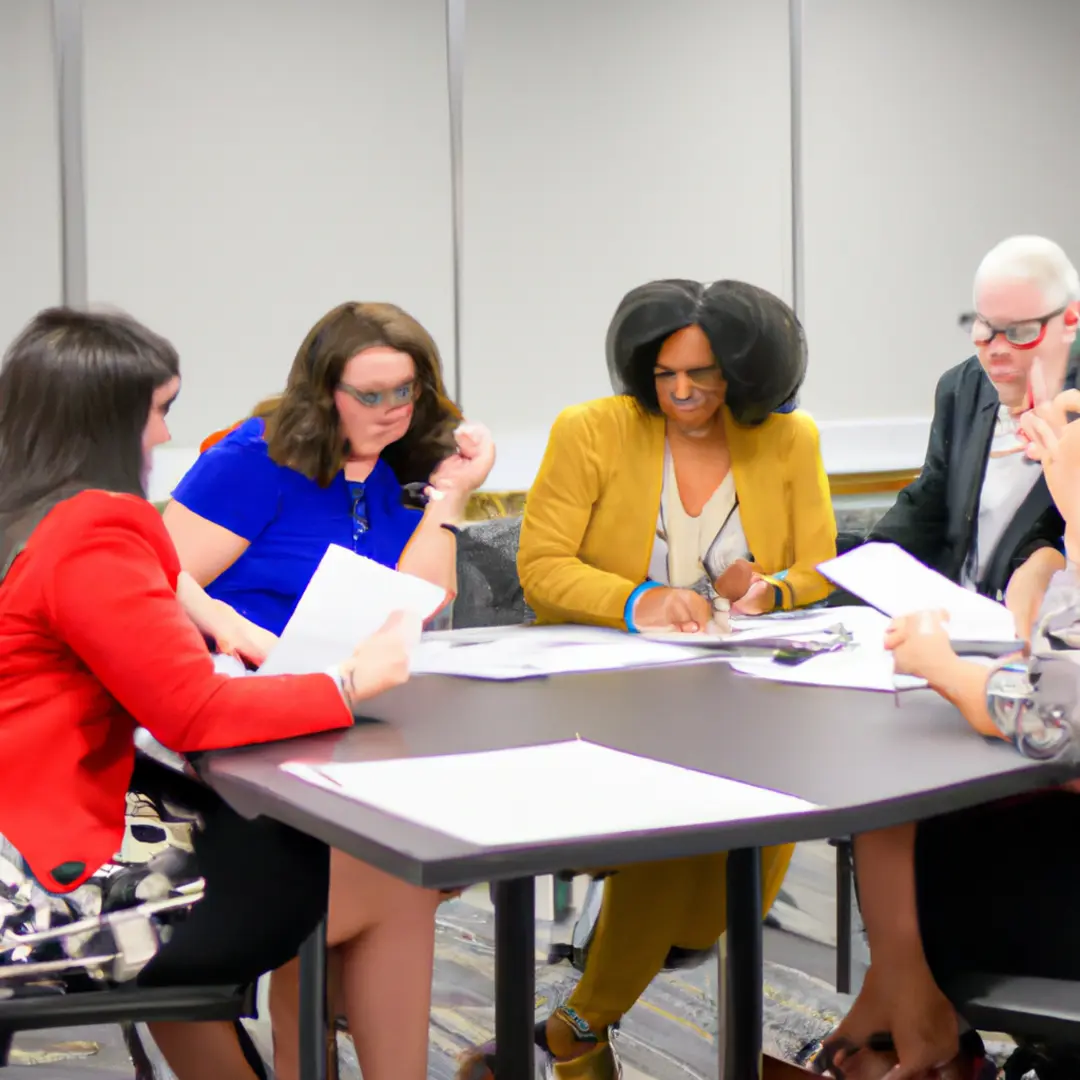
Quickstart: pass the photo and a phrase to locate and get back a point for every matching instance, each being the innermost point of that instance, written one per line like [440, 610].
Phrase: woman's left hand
[465, 470]
[757, 600]
[744, 589]
[919, 643]
[239, 637]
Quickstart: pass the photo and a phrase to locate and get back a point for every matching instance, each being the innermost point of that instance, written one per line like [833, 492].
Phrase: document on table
[490, 798]
[854, 669]
[813, 625]
[896, 583]
[348, 598]
[865, 664]
[535, 652]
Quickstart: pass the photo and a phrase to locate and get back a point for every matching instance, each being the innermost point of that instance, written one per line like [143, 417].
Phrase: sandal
[971, 1056]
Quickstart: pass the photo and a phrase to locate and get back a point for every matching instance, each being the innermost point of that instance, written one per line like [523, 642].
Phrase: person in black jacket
[979, 512]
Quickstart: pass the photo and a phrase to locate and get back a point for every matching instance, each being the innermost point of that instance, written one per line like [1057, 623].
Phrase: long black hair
[75, 395]
[755, 337]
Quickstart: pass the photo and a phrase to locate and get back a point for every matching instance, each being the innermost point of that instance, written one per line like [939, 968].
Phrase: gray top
[1035, 702]
[868, 759]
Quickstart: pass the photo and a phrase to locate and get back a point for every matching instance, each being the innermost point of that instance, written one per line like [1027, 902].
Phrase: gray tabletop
[866, 761]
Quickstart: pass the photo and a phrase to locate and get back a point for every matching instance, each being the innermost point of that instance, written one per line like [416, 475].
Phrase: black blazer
[935, 516]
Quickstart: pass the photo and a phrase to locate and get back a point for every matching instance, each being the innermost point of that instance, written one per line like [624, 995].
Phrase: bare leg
[899, 994]
[383, 931]
[196, 1051]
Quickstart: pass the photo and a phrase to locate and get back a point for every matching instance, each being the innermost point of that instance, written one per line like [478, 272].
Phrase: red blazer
[94, 642]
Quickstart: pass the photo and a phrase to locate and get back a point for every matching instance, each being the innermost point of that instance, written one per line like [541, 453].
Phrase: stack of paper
[896, 583]
[455, 794]
[533, 652]
[348, 598]
[812, 625]
[865, 664]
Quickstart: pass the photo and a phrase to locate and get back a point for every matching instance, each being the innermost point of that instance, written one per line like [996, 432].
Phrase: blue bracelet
[628, 611]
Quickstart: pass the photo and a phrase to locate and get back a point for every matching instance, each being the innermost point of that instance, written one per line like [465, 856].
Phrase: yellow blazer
[590, 517]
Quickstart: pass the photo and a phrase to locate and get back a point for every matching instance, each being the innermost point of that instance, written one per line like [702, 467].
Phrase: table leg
[843, 916]
[515, 979]
[740, 1054]
[313, 1005]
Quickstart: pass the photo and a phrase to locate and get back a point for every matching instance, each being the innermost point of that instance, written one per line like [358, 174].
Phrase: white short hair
[1034, 259]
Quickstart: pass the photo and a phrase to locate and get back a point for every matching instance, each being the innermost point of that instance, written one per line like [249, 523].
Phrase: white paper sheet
[229, 665]
[540, 651]
[864, 665]
[896, 583]
[348, 598]
[458, 795]
[566, 634]
[751, 628]
[856, 669]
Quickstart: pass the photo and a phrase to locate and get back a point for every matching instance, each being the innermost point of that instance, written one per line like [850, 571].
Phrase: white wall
[30, 267]
[931, 131]
[606, 145]
[252, 163]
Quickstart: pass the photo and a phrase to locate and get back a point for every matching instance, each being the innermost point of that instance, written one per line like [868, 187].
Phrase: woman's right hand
[920, 645]
[1054, 441]
[681, 610]
[381, 661]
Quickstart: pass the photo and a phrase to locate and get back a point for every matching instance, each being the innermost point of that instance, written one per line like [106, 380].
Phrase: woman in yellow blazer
[683, 496]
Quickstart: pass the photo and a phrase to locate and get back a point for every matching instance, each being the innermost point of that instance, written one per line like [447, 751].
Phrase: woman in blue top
[364, 413]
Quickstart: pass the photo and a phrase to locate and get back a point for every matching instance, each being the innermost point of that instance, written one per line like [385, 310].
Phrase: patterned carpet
[669, 1035]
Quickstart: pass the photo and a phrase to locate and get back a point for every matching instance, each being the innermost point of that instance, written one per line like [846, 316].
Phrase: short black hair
[755, 337]
[75, 396]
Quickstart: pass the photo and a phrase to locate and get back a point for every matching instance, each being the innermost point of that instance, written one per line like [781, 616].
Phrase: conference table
[865, 760]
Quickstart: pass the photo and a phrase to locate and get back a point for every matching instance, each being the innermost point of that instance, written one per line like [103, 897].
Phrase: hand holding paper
[920, 644]
[349, 599]
[896, 583]
[382, 661]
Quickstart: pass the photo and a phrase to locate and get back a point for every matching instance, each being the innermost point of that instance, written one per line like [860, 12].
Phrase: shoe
[599, 1063]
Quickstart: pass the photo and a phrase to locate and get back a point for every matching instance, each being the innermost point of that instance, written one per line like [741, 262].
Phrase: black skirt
[266, 888]
[997, 887]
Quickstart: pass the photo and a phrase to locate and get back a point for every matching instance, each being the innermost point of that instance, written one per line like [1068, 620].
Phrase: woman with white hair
[979, 511]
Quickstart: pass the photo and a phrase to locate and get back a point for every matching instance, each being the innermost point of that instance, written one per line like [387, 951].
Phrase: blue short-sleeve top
[289, 521]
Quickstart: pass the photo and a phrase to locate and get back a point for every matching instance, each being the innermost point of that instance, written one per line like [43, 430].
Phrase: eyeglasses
[1025, 334]
[706, 378]
[373, 399]
[359, 510]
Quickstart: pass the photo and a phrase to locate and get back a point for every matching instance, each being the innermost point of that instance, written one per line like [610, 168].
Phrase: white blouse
[692, 552]
[1010, 476]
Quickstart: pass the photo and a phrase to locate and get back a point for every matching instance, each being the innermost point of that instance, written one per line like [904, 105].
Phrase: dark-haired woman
[687, 494]
[97, 643]
[364, 412]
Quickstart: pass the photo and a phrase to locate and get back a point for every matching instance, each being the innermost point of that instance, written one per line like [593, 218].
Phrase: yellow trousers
[648, 908]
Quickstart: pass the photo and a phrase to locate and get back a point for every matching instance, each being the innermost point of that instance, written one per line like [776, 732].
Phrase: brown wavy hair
[303, 429]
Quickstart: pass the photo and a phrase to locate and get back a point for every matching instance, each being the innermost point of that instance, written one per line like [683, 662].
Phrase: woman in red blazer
[95, 643]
